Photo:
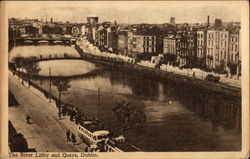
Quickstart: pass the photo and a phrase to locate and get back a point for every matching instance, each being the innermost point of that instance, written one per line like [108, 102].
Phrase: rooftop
[92, 126]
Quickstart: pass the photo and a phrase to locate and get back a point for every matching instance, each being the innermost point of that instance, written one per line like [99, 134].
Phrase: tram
[92, 133]
[99, 139]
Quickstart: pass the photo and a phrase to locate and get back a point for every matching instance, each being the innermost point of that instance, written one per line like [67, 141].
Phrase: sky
[126, 11]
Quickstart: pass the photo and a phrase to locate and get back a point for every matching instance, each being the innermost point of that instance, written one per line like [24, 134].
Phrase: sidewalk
[201, 75]
[46, 132]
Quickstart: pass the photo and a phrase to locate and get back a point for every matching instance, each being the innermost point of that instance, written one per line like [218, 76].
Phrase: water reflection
[179, 117]
[65, 67]
[43, 51]
[161, 99]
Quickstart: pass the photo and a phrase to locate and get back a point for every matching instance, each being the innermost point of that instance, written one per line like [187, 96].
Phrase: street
[46, 132]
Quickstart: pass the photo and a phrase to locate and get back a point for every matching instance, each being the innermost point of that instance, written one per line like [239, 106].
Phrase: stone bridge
[45, 40]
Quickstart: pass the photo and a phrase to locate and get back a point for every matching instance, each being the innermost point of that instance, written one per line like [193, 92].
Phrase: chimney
[208, 21]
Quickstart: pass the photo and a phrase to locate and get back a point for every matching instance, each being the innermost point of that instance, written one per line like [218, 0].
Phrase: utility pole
[98, 104]
[46, 17]
[50, 85]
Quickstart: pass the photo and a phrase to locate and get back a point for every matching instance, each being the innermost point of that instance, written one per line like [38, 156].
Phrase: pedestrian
[28, 119]
[87, 149]
[59, 115]
[63, 110]
[73, 138]
[68, 135]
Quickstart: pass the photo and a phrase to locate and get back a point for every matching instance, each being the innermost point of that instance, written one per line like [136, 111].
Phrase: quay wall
[163, 75]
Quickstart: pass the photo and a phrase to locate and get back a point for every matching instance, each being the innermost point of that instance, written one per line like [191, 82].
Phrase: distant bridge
[45, 40]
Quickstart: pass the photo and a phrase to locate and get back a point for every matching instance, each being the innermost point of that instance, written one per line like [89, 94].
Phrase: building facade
[169, 44]
[188, 49]
[234, 62]
[234, 51]
[217, 49]
[123, 42]
[212, 48]
[223, 51]
[201, 48]
[112, 35]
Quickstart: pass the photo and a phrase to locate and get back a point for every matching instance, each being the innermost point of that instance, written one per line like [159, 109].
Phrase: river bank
[163, 75]
[179, 117]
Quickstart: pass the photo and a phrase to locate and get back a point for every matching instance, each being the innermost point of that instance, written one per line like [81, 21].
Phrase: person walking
[68, 135]
[28, 119]
[73, 138]
[59, 114]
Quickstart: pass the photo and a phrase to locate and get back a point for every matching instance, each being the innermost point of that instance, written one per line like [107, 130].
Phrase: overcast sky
[126, 11]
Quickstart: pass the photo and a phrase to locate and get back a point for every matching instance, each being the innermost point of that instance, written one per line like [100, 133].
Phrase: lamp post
[50, 85]
[98, 105]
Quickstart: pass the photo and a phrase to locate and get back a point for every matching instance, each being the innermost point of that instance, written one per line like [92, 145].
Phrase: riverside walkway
[46, 132]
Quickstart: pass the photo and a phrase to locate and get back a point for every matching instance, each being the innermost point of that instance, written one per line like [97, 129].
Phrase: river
[178, 118]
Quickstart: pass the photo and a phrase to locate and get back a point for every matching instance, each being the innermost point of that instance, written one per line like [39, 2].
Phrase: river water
[178, 118]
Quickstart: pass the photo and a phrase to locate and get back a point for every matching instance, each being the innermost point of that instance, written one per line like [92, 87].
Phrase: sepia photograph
[125, 76]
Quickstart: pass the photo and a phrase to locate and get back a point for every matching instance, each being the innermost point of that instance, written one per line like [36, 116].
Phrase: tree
[62, 86]
[233, 68]
[19, 62]
[128, 116]
[31, 69]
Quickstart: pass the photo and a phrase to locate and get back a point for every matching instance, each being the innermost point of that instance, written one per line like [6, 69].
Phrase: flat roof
[101, 132]
[92, 126]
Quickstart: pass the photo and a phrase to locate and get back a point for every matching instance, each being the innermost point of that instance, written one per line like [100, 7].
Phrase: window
[201, 35]
[235, 39]
[235, 48]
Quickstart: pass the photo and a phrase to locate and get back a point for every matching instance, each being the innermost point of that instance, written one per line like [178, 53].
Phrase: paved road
[47, 132]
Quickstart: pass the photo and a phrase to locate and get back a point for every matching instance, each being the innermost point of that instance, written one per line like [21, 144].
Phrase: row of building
[34, 27]
[215, 47]
[209, 48]
[206, 46]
